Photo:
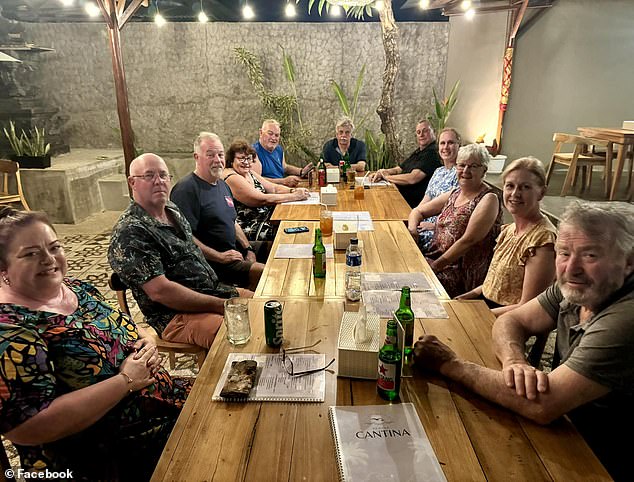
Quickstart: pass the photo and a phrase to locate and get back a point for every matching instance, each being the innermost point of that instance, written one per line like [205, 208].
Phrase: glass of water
[237, 320]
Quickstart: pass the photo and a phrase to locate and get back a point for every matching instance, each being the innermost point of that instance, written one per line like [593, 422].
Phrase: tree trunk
[392, 61]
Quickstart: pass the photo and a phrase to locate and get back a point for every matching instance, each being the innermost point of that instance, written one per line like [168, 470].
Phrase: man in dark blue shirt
[335, 149]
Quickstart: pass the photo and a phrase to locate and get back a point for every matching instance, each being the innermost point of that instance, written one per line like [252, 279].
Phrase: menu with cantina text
[383, 442]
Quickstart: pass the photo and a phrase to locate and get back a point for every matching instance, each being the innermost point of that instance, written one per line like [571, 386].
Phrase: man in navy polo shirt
[335, 149]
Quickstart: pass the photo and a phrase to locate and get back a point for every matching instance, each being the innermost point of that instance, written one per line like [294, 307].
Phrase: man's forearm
[180, 298]
[509, 340]
[292, 170]
[490, 384]
[210, 254]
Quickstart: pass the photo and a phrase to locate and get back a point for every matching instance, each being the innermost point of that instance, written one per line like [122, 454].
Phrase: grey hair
[343, 122]
[530, 164]
[612, 222]
[270, 121]
[202, 136]
[476, 152]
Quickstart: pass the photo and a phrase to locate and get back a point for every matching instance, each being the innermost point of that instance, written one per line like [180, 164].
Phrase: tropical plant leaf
[357, 90]
[341, 97]
[289, 68]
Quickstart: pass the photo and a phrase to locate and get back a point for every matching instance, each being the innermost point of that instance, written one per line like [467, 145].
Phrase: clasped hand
[430, 353]
[142, 365]
[526, 379]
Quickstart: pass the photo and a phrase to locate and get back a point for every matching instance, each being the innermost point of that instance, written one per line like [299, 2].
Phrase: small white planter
[496, 164]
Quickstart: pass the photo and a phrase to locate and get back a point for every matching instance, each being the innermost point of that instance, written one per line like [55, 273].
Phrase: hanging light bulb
[465, 5]
[159, 20]
[423, 4]
[335, 11]
[91, 9]
[66, 3]
[247, 12]
[290, 11]
[378, 5]
[202, 18]
[469, 14]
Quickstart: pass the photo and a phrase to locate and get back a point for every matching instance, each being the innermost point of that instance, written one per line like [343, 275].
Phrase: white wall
[573, 67]
[476, 51]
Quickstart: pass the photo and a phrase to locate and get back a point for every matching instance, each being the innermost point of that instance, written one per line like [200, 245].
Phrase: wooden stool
[169, 347]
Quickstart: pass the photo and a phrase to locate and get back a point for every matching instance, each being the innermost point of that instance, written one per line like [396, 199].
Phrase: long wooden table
[384, 203]
[389, 248]
[472, 438]
[624, 138]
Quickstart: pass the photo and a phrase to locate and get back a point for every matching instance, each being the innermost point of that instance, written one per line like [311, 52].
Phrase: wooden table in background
[473, 439]
[383, 203]
[624, 138]
[389, 248]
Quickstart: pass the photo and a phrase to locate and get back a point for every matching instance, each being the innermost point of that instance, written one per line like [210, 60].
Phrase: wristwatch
[249, 248]
[292, 190]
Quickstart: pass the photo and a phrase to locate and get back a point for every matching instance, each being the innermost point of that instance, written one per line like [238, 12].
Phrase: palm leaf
[289, 68]
[357, 90]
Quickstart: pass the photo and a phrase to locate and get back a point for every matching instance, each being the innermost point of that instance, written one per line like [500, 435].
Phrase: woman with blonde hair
[523, 263]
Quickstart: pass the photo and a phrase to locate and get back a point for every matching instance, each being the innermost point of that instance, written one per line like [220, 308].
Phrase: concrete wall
[184, 78]
[573, 67]
[476, 49]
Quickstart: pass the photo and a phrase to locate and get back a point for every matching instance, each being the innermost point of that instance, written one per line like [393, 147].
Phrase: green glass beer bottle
[388, 383]
[319, 256]
[406, 316]
[346, 164]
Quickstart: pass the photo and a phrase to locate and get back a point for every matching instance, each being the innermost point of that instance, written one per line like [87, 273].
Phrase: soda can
[273, 325]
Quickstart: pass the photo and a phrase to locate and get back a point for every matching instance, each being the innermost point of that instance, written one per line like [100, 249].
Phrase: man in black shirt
[412, 175]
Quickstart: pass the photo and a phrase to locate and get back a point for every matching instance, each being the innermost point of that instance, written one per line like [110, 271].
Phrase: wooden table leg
[620, 158]
[607, 174]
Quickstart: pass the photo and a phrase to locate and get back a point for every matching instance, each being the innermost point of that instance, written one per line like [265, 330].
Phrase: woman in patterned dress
[467, 226]
[443, 180]
[79, 389]
[523, 264]
[255, 197]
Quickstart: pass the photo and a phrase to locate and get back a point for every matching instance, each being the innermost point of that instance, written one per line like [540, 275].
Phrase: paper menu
[362, 219]
[313, 198]
[394, 281]
[385, 302]
[274, 384]
[300, 251]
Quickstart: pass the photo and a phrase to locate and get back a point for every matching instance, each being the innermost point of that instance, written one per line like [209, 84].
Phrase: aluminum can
[273, 325]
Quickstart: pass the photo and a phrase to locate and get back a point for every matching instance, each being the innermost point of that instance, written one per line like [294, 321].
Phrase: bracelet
[128, 379]
[249, 248]
[292, 190]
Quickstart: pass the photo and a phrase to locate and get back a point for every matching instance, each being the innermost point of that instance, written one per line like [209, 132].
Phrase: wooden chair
[11, 169]
[171, 348]
[581, 157]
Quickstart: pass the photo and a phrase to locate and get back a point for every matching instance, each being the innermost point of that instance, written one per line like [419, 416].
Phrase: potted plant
[31, 151]
[442, 109]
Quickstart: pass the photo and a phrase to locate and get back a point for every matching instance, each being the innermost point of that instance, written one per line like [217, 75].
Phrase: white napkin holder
[358, 360]
[332, 174]
[328, 195]
[344, 232]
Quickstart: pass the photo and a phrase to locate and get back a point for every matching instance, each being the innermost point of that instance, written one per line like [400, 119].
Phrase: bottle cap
[354, 241]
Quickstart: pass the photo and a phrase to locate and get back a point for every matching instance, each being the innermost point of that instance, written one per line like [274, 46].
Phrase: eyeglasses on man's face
[461, 167]
[150, 176]
[287, 361]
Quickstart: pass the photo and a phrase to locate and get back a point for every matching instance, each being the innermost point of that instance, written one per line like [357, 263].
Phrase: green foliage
[33, 144]
[442, 110]
[351, 11]
[282, 107]
[344, 103]
[377, 155]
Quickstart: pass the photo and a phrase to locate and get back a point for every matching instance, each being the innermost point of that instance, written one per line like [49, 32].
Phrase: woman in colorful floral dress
[79, 390]
[468, 223]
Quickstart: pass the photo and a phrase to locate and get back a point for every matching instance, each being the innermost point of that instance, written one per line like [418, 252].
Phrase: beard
[216, 172]
[591, 296]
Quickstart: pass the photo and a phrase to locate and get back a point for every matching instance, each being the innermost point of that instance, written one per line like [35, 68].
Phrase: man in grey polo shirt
[592, 307]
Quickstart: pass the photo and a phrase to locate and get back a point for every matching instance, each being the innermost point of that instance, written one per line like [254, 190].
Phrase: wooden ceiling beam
[131, 10]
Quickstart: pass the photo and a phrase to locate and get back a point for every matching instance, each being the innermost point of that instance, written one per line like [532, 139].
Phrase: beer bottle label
[387, 376]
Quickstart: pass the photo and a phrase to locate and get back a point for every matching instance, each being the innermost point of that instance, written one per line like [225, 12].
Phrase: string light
[247, 12]
[335, 11]
[290, 10]
[423, 4]
[379, 5]
[465, 5]
[159, 20]
[91, 9]
[66, 3]
[202, 17]
[469, 14]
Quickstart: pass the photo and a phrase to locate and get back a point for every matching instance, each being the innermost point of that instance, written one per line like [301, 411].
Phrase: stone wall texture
[184, 78]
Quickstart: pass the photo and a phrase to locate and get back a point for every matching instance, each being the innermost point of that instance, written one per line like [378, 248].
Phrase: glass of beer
[359, 192]
[351, 174]
[325, 222]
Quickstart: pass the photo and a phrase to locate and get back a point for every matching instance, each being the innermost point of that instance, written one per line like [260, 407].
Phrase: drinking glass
[237, 320]
[325, 222]
[351, 175]
[359, 192]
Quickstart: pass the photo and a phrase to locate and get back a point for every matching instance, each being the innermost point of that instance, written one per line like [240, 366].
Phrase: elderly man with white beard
[591, 305]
